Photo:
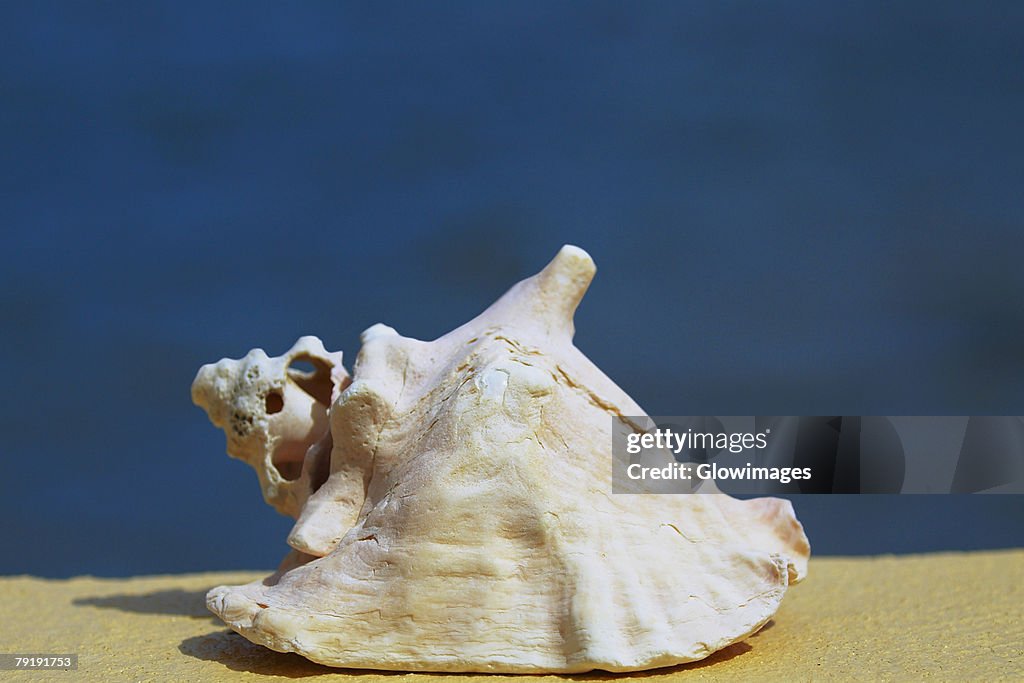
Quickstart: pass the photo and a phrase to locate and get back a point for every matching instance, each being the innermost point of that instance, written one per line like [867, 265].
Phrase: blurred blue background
[795, 208]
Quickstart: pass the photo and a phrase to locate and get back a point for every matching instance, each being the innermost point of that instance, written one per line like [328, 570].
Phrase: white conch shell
[467, 523]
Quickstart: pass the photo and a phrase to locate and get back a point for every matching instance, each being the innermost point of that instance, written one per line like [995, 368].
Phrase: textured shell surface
[454, 510]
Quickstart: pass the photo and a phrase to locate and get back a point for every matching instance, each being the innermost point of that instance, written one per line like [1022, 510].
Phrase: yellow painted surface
[938, 617]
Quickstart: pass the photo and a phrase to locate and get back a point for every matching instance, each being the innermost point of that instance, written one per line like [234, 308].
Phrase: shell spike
[548, 300]
[565, 280]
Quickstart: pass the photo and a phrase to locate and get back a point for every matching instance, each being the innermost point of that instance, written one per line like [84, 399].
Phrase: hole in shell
[313, 376]
[274, 403]
[303, 365]
[289, 471]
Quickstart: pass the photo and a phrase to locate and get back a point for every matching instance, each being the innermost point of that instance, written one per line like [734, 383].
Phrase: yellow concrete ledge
[941, 617]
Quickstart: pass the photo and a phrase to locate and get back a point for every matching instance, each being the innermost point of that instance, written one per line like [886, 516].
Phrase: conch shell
[458, 514]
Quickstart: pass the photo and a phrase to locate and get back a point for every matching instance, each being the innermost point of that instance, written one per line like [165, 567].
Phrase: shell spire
[549, 299]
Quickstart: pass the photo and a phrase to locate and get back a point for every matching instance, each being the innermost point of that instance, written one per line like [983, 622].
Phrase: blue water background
[795, 208]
